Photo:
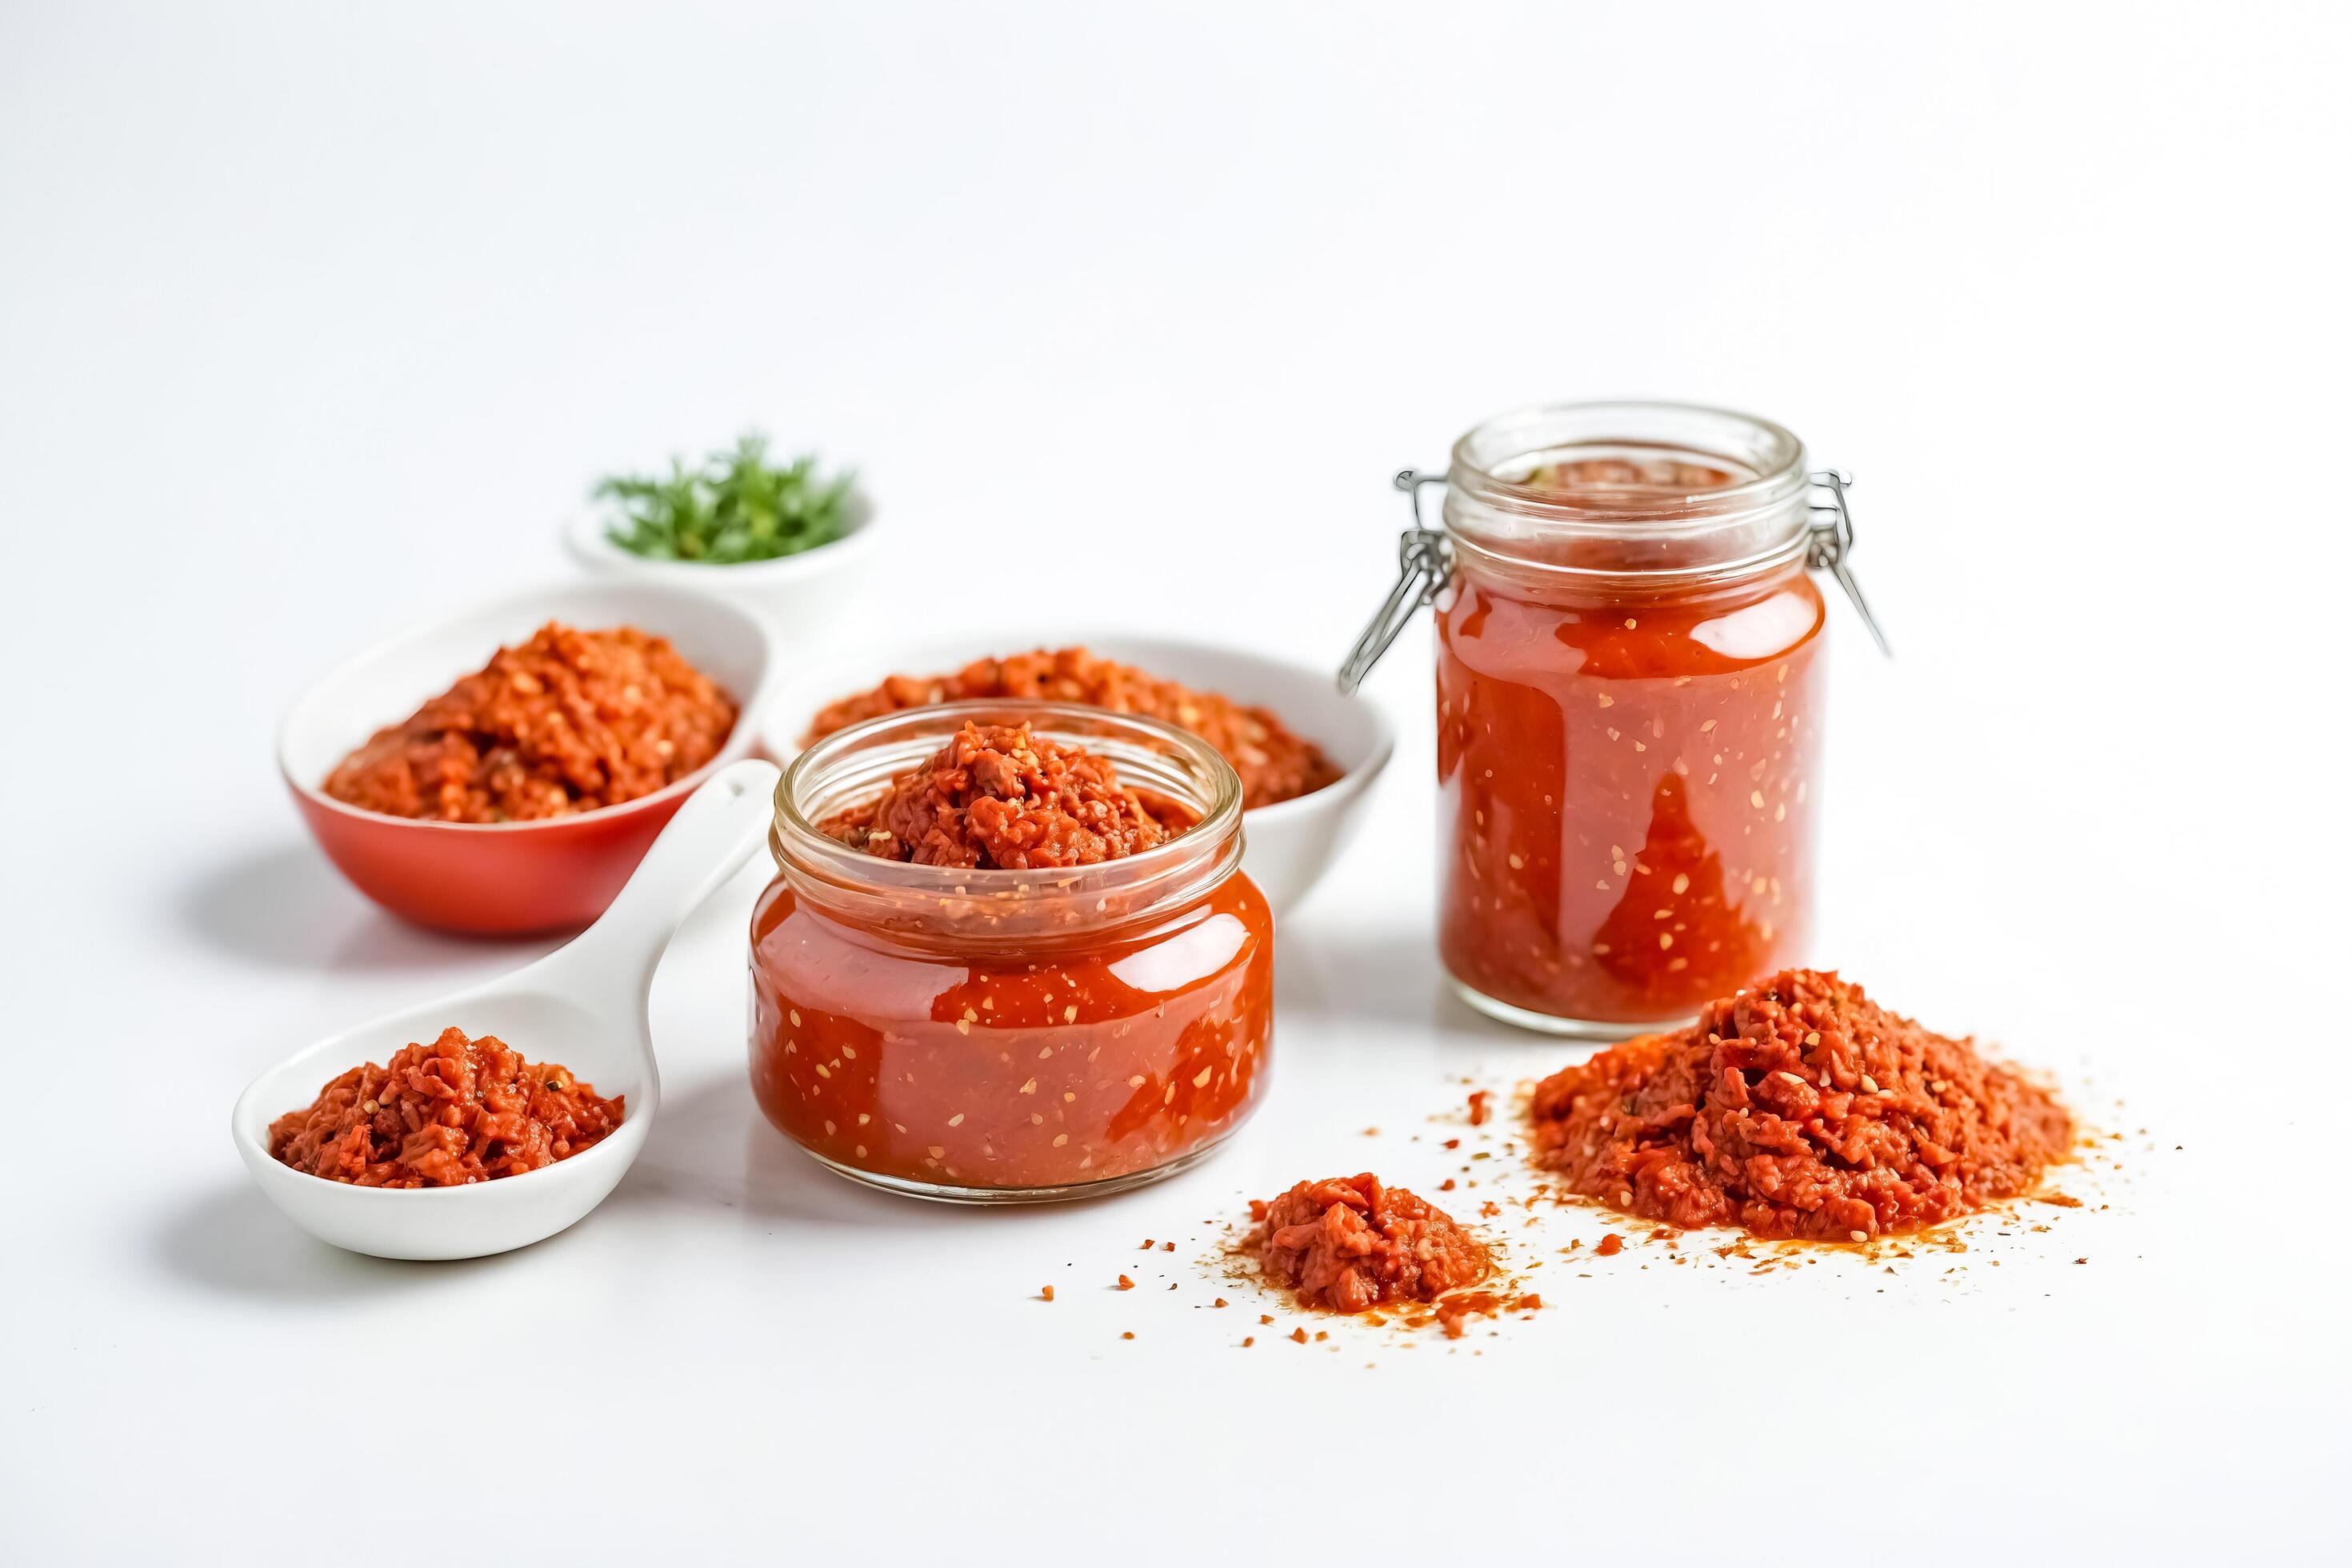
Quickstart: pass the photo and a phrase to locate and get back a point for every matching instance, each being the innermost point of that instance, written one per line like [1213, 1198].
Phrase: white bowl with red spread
[1288, 844]
[582, 1008]
[812, 594]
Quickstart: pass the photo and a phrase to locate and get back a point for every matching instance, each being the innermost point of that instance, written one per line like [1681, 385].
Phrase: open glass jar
[1629, 706]
[988, 1035]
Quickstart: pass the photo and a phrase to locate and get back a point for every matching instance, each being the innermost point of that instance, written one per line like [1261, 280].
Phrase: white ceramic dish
[809, 595]
[582, 1007]
[1287, 847]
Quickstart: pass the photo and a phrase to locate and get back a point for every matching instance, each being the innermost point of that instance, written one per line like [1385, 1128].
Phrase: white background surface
[313, 323]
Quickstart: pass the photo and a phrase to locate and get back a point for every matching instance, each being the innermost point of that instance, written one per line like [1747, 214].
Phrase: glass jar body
[1092, 1064]
[1627, 789]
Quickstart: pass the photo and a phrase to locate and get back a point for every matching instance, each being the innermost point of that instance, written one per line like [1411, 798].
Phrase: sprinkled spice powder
[1797, 1108]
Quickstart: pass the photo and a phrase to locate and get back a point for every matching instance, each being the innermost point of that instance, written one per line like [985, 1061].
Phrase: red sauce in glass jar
[1629, 710]
[993, 1034]
[1629, 780]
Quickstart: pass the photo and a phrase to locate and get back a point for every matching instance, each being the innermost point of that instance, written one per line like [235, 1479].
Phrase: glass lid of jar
[1642, 491]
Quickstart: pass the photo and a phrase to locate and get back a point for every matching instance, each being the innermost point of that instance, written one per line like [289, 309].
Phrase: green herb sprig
[730, 509]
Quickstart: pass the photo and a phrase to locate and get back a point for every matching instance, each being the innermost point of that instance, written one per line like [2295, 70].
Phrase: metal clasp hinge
[1424, 562]
[1832, 543]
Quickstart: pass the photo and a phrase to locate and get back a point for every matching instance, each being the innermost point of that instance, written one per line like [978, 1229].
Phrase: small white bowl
[1288, 846]
[810, 595]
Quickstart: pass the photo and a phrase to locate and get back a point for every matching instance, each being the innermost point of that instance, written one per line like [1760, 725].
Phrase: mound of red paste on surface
[1797, 1108]
[1349, 1243]
[1001, 798]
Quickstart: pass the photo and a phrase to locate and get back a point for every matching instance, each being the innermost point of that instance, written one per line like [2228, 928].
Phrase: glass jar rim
[1759, 522]
[853, 763]
[1773, 460]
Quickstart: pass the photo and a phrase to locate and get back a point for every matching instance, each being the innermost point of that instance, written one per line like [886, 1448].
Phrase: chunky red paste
[566, 723]
[1001, 798]
[444, 1115]
[1275, 764]
[1349, 1243]
[1797, 1108]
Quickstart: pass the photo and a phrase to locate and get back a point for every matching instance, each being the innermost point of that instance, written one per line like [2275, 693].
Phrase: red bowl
[509, 878]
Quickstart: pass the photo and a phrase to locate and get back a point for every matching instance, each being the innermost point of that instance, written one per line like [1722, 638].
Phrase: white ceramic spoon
[581, 1007]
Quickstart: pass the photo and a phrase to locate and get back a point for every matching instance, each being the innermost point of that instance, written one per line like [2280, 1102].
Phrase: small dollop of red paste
[444, 1115]
[999, 798]
[1349, 1243]
[1798, 1108]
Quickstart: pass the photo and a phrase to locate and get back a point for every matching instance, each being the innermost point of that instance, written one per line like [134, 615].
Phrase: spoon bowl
[582, 1007]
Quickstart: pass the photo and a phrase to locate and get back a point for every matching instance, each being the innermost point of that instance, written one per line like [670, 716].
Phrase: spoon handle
[706, 842]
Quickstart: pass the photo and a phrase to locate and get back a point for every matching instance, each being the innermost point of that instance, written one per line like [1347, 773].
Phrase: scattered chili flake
[1129, 1335]
[1797, 1108]
[1446, 1185]
[1610, 1245]
[1452, 1143]
[1125, 1283]
[1453, 1312]
[1220, 1302]
[1265, 1318]
[1046, 1294]
[1299, 1335]
[1479, 1110]
[1167, 1247]
[1248, 1340]
[1349, 1243]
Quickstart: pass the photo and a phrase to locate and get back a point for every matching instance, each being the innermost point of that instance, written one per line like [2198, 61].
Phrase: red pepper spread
[443, 1115]
[1797, 1108]
[1275, 764]
[1001, 798]
[1349, 1243]
[566, 723]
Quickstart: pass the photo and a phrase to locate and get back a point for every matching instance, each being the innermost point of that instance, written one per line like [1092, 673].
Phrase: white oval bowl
[438, 1222]
[1287, 846]
[583, 1006]
[810, 595]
